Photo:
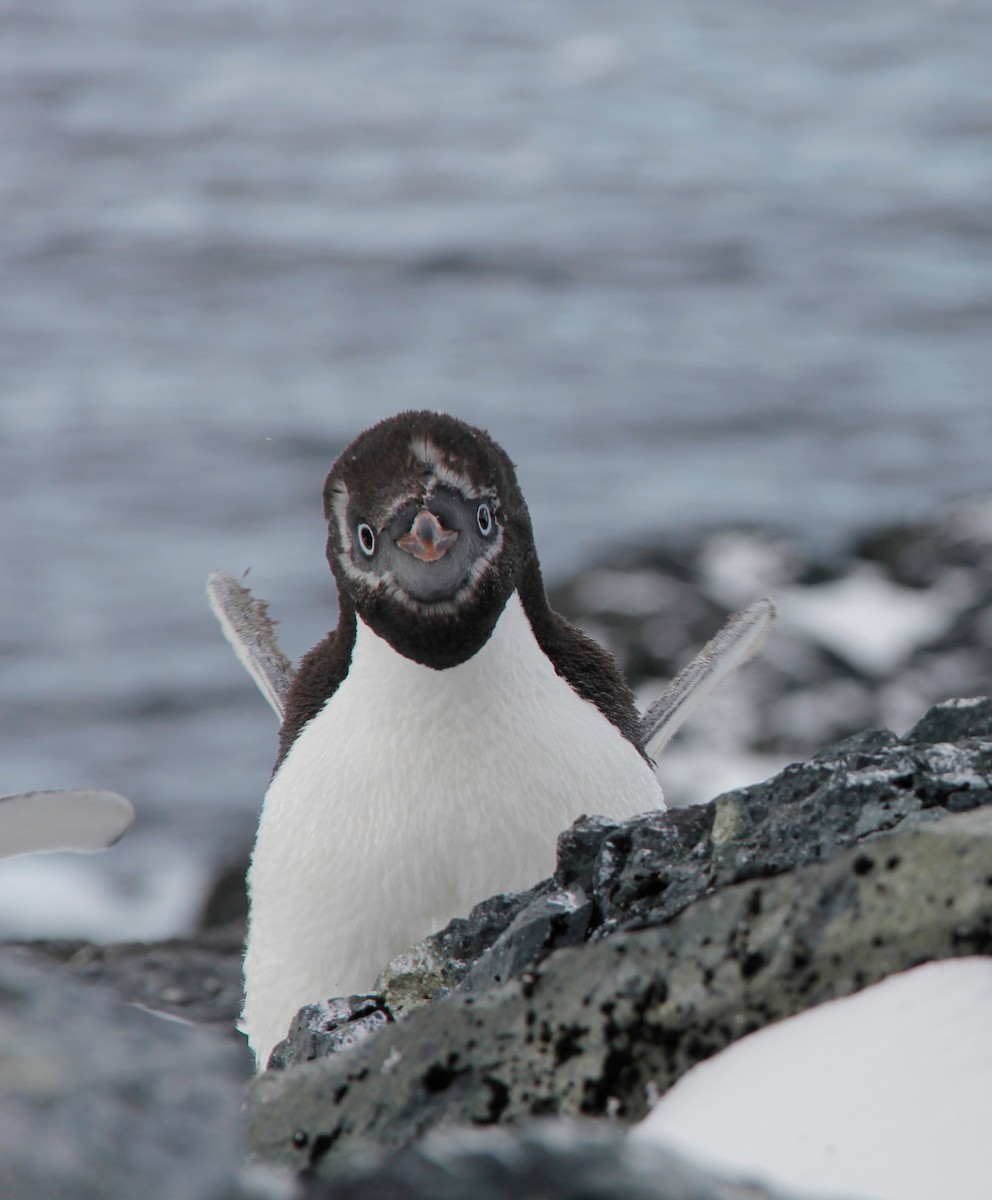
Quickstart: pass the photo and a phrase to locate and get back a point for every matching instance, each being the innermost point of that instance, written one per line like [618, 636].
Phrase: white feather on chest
[411, 796]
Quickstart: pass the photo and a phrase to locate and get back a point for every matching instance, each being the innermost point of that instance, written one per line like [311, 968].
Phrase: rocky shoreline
[700, 926]
[656, 943]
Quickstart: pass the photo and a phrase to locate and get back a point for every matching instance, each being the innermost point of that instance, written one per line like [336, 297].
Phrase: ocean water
[691, 264]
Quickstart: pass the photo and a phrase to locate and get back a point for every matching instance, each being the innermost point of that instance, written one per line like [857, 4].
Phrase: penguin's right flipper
[738, 640]
[80, 819]
[251, 633]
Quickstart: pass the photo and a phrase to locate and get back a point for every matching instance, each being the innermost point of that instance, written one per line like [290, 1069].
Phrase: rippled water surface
[690, 263]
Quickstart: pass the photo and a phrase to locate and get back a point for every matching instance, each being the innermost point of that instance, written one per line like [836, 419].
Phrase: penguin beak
[427, 540]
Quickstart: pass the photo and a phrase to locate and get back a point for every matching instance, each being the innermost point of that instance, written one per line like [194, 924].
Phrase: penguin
[438, 740]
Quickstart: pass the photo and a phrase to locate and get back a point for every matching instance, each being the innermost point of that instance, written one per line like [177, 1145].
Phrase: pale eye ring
[484, 519]
[366, 539]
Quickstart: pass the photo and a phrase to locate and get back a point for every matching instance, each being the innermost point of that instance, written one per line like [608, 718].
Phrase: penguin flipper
[251, 632]
[740, 638]
[80, 819]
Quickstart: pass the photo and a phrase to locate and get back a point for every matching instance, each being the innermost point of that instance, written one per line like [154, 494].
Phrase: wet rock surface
[329, 1027]
[701, 925]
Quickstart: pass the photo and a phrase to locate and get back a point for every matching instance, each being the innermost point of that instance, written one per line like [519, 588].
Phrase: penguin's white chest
[411, 796]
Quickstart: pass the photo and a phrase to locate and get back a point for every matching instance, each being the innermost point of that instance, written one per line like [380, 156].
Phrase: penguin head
[428, 534]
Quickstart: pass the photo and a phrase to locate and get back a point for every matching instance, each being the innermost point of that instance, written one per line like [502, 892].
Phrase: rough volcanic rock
[100, 1099]
[329, 1027]
[596, 1029]
[655, 865]
[953, 721]
[555, 917]
[574, 1160]
[443, 959]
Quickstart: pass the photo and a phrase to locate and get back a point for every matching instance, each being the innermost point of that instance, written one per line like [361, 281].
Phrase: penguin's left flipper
[740, 638]
[80, 819]
[251, 633]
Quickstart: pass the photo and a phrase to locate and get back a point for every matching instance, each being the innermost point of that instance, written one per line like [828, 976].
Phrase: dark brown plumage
[372, 478]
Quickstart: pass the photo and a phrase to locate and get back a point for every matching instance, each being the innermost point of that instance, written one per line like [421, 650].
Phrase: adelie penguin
[435, 744]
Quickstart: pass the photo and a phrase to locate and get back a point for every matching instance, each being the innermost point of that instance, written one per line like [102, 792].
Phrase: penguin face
[428, 533]
[432, 550]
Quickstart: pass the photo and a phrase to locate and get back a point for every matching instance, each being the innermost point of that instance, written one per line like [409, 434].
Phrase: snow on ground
[885, 1095]
[146, 888]
[871, 622]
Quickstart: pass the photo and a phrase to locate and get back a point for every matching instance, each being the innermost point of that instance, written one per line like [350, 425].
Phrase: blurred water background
[691, 263]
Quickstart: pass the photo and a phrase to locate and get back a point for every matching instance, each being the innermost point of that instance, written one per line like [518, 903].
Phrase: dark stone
[462, 941]
[653, 864]
[325, 1028]
[656, 865]
[442, 960]
[918, 554]
[553, 919]
[578, 850]
[953, 721]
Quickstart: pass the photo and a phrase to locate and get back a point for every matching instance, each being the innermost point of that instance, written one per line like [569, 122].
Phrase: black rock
[652, 869]
[326, 1028]
[578, 851]
[954, 720]
[442, 960]
[555, 918]
[227, 902]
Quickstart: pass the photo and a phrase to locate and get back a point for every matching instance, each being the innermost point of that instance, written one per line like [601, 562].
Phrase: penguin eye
[366, 539]
[484, 517]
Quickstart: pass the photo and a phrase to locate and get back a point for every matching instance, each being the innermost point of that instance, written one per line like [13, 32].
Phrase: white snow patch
[737, 566]
[871, 622]
[962, 702]
[155, 893]
[884, 1095]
